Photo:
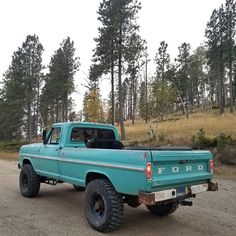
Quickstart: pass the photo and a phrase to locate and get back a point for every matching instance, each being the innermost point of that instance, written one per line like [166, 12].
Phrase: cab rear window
[83, 134]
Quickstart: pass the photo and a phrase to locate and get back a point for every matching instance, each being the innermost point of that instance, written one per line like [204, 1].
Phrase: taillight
[211, 166]
[149, 170]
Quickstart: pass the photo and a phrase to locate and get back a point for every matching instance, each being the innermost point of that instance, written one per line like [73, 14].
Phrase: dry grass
[11, 156]
[225, 172]
[180, 131]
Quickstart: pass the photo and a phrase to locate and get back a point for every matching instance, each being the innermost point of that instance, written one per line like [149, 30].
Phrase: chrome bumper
[174, 194]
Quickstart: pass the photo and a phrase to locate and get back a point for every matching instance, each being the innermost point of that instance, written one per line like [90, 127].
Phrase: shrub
[223, 139]
[201, 141]
[226, 150]
[11, 146]
[226, 154]
[225, 147]
[161, 137]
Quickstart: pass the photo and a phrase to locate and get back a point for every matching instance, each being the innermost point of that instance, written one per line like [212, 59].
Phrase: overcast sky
[175, 21]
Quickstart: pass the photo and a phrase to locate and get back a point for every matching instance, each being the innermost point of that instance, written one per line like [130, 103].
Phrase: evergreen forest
[34, 95]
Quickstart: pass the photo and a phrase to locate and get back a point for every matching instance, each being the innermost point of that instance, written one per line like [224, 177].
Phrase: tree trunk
[121, 119]
[29, 123]
[231, 86]
[186, 109]
[66, 107]
[57, 111]
[38, 114]
[34, 122]
[186, 104]
[63, 109]
[221, 82]
[131, 104]
[112, 91]
[134, 103]
[146, 90]
[198, 99]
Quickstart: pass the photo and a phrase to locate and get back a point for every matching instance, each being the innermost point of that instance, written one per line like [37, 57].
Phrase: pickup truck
[90, 157]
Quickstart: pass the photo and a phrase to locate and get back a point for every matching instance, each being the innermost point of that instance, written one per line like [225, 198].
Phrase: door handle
[59, 148]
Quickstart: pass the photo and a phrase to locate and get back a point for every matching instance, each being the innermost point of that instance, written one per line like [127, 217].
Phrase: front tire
[29, 181]
[103, 206]
[163, 209]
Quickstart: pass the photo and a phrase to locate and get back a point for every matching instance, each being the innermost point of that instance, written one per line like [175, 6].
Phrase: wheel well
[92, 176]
[26, 162]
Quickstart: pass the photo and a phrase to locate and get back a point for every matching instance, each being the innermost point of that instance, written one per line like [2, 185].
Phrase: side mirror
[44, 136]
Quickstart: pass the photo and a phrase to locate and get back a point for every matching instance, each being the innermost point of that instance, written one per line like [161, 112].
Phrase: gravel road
[58, 210]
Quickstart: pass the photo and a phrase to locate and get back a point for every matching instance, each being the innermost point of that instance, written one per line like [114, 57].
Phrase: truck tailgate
[179, 168]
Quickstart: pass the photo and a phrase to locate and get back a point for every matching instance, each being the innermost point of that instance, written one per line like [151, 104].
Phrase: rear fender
[94, 174]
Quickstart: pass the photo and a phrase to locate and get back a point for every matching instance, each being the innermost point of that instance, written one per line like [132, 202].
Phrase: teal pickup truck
[90, 157]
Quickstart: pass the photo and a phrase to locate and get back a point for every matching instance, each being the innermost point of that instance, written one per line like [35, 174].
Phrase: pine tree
[12, 101]
[182, 83]
[59, 83]
[134, 57]
[144, 103]
[162, 99]
[126, 22]
[118, 18]
[162, 60]
[92, 106]
[21, 88]
[230, 21]
[212, 53]
[92, 103]
[216, 54]
[105, 52]
[162, 92]
[32, 65]
[70, 65]
[198, 76]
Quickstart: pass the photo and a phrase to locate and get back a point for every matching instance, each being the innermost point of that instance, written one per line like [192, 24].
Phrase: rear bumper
[175, 194]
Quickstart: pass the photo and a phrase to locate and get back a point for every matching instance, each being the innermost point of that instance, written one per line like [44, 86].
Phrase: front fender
[28, 160]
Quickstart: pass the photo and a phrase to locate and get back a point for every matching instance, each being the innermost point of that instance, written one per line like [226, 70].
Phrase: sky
[174, 21]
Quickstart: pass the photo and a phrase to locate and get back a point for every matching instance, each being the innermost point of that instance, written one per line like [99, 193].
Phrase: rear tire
[163, 209]
[29, 181]
[103, 206]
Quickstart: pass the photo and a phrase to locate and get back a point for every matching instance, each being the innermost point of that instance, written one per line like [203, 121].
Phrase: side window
[55, 135]
[106, 134]
[75, 136]
[78, 135]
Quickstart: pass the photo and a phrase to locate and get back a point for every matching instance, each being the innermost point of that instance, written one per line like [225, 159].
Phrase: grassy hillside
[6, 155]
[174, 131]
[179, 131]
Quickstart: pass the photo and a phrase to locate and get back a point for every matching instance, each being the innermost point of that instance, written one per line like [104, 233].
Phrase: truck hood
[31, 148]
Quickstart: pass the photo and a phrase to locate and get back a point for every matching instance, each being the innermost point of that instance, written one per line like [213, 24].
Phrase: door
[49, 154]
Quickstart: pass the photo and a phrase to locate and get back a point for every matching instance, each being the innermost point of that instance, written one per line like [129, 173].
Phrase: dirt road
[58, 210]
